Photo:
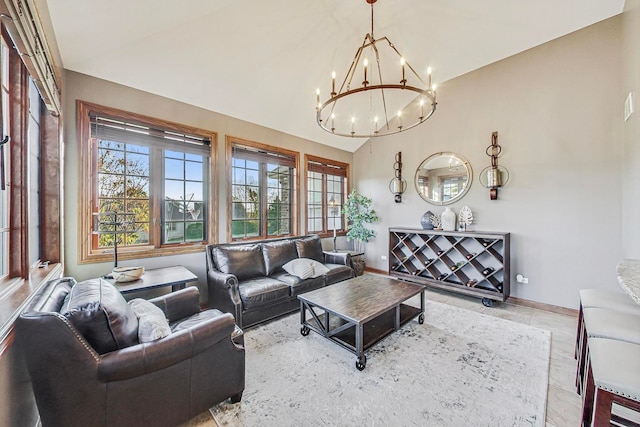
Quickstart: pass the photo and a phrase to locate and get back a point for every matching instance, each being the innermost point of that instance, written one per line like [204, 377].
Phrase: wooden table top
[362, 298]
[158, 277]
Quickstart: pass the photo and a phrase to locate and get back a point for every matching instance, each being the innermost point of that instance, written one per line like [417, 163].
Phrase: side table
[177, 277]
[357, 262]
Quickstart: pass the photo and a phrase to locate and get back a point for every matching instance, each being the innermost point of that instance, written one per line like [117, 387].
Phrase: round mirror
[443, 178]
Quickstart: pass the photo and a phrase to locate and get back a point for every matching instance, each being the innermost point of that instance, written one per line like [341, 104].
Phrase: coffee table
[359, 312]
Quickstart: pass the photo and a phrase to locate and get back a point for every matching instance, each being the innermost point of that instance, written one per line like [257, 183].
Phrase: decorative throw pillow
[101, 314]
[305, 268]
[152, 324]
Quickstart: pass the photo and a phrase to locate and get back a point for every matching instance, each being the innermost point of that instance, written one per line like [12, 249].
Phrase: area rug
[459, 368]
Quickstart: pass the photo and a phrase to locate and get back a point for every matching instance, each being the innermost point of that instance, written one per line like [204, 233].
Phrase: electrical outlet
[383, 257]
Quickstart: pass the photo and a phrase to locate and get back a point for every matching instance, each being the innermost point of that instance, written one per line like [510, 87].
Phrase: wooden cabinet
[471, 263]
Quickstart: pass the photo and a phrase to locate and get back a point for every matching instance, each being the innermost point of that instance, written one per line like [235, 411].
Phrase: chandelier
[374, 107]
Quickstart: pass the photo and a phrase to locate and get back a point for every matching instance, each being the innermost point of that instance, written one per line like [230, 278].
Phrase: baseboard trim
[543, 306]
[513, 300]
[375, 270]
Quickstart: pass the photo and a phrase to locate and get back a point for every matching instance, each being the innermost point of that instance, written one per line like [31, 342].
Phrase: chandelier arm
[352, 69]
[392, 46]
[384, 100]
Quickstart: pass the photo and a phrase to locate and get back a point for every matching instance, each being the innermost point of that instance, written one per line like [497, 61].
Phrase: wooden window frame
[308, 158]
[17, 180]
[295, 201]
[87, 173]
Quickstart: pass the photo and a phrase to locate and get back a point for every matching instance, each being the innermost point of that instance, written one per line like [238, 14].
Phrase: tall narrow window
[33, 166]
[326, 192]
[153, 174]
[4, 159]
[263, 196]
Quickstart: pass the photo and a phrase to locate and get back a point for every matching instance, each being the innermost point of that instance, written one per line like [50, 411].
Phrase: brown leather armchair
[160, 383]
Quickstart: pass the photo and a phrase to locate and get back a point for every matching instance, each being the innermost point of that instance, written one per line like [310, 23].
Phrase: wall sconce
[494, 176]
[398, 185]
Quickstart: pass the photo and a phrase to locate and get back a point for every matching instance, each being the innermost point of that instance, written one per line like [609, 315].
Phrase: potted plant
[358, 212]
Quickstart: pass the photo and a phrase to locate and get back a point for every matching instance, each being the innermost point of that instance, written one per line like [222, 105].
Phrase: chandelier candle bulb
[365, 63]
[429, 74]
[404, 80]
[333, 83]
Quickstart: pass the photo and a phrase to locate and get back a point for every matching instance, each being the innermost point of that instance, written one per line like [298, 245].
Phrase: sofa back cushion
[310, 247]
[243, 261]
[102, 316]
[278, 253]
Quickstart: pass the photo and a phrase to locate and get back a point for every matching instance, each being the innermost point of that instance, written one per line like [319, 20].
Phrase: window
[151, 189]
[29, 173]
[263, 190]
[4, 159]
[326, 192]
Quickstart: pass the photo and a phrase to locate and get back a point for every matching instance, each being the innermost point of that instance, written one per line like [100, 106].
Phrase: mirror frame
[460, 195]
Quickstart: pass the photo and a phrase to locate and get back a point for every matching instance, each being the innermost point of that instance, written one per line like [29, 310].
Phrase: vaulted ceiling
[261, 61]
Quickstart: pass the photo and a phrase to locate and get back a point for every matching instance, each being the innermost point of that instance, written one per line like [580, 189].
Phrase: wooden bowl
[127, 274]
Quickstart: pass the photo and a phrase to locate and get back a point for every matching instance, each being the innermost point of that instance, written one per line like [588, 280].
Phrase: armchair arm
[179, 304]
[337, 258]
[145, 358]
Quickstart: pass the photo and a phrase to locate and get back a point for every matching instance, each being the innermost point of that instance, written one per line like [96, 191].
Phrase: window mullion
[156, 196]
[263, 200]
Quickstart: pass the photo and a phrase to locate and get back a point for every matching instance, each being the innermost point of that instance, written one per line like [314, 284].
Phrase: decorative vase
[425, 221]
[448, 220]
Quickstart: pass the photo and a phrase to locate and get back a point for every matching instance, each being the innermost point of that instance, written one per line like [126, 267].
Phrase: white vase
[448, 220]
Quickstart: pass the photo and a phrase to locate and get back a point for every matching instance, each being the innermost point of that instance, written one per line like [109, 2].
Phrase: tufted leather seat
[125, 383]
[247, 279]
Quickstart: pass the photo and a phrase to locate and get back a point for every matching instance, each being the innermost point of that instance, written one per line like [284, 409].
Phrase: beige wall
[631, 130]
[558, 111]
[80, 86]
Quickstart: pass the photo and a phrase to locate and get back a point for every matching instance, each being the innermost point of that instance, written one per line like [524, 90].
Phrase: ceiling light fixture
[362, 110]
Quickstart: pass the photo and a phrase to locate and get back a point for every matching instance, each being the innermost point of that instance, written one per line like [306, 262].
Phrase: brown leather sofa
[159, 383]
[247, 279]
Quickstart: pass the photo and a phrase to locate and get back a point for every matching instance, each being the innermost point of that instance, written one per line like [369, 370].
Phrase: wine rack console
[467, 262]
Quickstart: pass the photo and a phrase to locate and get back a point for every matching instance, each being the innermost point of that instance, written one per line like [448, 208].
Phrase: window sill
[125, 254]
[16, 294]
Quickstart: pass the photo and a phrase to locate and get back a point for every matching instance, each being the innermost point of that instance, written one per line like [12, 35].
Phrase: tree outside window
[262, 190]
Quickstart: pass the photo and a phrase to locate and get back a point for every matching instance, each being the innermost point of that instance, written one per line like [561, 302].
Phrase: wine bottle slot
[487, 271]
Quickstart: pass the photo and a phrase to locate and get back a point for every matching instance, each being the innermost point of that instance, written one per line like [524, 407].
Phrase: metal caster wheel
[361, 363]
[421, 319]
[304, 331]
[487, 302]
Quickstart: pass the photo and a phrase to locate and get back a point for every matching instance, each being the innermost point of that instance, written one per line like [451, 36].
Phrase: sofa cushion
[338, 273]
[101, 315]
[305, 268]
[152, 323]
[278, 253]
[310, 247]
[244, 261]
[262, 291]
